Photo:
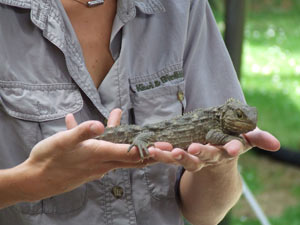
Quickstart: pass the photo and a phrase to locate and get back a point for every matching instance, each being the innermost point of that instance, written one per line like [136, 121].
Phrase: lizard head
[238, 118]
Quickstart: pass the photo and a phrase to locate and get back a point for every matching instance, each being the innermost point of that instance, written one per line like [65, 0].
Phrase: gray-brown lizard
[216, 125]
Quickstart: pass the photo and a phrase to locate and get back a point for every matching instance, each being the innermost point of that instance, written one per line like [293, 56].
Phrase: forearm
[207, 195]
[12, 186]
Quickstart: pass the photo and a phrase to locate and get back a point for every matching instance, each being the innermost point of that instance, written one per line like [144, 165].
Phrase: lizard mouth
[239, 127]
[246, 127]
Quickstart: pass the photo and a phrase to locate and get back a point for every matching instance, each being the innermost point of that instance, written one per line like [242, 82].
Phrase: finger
[112, 165]
[197, 148]
[234, 148]
[139, 164]
[114, 118]
[163, 146]
[206, 152]
[108, 151]
[70, 121]
[188, 161]
[177, 156]
[161, 156]
[209, 154]
[82, 132]
[263, 140]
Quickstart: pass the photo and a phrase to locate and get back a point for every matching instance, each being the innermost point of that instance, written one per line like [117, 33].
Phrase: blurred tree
[234, 31]
[217, 5]
[214, 4]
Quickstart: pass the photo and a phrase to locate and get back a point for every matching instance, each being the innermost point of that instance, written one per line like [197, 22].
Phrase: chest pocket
[152, 103]
[157, 103]
[31, 113]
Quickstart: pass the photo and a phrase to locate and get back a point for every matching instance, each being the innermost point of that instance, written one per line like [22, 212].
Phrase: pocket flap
[39, 102]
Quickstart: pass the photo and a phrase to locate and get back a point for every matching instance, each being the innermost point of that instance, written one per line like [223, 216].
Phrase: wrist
[221, 171]
[211, 182]
[26, 183]
[14, 184]
[227, 165]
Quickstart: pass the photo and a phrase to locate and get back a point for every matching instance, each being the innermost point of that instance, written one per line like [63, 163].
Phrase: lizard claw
[142, 141]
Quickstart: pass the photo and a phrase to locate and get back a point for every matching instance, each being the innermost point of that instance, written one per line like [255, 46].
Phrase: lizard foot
[142, 141]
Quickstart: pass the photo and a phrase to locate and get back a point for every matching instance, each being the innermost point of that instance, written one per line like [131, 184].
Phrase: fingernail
[151, 153]
[197, 152]
[152, 156]
[94, 128]
[151, 148]
[179, 157]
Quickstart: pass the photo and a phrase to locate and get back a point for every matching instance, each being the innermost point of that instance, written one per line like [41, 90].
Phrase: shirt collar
[18, 3]
[127, 8]
[124, 6]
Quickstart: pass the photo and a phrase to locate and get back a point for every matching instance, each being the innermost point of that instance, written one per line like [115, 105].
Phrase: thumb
[263, 140]
[84, 131]
[70, 121]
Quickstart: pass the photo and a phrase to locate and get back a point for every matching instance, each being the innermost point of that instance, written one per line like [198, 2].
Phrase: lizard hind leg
[142, 141]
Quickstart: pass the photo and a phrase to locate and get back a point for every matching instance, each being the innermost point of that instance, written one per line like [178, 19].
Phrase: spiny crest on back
[235, 104]
[234, 101]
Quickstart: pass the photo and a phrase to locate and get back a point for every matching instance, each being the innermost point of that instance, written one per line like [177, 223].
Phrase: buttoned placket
[116, 182]
[118, 194]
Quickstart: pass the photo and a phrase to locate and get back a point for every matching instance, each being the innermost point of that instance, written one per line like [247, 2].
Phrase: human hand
[198, 155]
[70, 158]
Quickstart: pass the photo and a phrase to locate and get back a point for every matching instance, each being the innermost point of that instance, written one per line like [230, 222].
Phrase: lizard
[214, 125]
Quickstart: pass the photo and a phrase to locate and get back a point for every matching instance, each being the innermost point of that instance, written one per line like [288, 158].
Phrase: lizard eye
[239, 113]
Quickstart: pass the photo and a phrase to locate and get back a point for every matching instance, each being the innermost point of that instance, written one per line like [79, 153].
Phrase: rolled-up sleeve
[209, 73]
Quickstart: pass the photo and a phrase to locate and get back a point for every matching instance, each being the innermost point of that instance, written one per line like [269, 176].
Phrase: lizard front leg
[217, 137]
[142, 141]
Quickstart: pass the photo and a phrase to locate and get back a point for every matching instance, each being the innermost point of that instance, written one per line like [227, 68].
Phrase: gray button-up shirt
[169, 58]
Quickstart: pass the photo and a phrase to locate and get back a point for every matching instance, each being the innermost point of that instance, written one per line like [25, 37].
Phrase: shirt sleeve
[179, 174]
[210, 78]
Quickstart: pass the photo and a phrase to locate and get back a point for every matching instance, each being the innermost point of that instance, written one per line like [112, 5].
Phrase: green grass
[290, 217]
[250, 175]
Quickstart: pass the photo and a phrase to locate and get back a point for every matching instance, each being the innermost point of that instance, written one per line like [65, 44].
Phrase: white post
[254, 205]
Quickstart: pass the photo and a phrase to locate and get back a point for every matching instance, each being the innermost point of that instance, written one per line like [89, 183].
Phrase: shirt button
[180, 95]
[117, 191]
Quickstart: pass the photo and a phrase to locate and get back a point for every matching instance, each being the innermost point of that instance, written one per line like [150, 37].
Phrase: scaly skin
[216, 125]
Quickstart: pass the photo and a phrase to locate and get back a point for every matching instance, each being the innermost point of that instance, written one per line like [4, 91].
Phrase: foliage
[271, 73]
[274, 6]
